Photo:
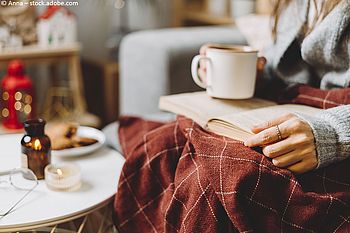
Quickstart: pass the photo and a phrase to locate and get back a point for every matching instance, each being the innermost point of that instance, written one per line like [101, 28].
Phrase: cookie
[61, 143]
[82, 141]
[62, 130]
[64, 136]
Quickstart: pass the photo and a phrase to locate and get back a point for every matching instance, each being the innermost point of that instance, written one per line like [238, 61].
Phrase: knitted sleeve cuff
[325, 139]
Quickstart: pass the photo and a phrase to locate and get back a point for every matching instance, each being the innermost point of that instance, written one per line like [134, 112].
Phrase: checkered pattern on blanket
[304, 94]
[180, 178]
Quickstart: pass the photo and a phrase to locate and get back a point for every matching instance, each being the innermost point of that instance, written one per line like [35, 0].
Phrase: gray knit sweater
[321, 58]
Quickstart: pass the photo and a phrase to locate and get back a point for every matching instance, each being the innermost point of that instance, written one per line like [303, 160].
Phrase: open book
[230, 118]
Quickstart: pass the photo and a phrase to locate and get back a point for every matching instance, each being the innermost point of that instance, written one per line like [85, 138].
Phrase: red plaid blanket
[180, 178]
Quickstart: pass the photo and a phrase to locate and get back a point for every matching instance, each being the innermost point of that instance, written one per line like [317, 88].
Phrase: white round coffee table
[43, 207]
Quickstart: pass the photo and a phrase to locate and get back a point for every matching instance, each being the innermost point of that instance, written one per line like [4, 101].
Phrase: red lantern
[17, 96]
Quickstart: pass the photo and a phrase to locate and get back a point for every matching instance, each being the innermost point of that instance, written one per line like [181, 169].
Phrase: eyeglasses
[23, 180]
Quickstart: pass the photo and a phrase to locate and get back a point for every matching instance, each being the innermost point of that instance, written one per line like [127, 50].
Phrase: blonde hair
[322, 10]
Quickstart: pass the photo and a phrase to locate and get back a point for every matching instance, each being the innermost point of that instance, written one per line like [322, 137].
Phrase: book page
[200, 107]
[244, 121]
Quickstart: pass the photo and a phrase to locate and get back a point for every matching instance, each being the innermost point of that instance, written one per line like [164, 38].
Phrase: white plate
[88, 132]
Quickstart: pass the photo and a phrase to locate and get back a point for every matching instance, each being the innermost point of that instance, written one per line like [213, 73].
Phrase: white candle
[63, 177]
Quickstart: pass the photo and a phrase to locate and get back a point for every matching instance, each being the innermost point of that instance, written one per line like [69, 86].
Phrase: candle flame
[37, 145]
[59, 172]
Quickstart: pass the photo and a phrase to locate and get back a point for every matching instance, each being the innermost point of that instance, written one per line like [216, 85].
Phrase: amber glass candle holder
[36, 147]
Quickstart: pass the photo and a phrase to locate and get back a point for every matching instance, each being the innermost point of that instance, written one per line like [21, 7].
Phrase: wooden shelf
[197, 12]
[38, 51]
[206, 18]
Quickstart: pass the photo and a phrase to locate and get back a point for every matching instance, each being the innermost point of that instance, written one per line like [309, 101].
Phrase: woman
[312, 46]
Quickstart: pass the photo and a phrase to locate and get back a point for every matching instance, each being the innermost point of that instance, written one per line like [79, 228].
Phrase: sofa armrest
[111, 130]
[157, 62]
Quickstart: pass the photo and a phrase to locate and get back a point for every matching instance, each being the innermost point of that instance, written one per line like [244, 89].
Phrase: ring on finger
[279, 134]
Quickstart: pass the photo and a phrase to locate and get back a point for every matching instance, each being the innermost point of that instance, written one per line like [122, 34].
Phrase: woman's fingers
[268, 136]
[294, 156]
[268, 124]
[202, 71]
[304, 166]
[260, 64]
[293, 142]
[287, 159]
[280, 148]
[203, 49]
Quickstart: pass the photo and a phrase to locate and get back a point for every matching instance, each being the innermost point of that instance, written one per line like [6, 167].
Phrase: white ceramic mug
[231, 71]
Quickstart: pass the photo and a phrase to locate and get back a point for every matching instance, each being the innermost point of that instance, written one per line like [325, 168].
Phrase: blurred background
[92, 60]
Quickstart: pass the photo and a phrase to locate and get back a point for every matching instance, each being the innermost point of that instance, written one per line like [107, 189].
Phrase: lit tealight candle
[63, 177]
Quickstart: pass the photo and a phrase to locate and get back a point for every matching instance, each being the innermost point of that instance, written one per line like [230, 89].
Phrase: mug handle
[194, 70]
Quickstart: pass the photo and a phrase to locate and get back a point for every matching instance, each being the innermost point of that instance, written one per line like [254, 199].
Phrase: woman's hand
[202, 71]
[288, 141]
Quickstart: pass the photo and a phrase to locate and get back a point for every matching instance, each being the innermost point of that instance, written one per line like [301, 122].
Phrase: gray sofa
[157, 62]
